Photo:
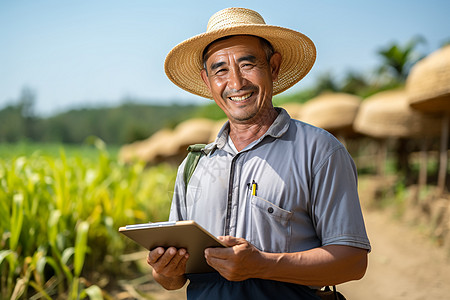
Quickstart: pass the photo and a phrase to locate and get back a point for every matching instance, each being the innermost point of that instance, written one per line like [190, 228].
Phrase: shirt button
[270, 210]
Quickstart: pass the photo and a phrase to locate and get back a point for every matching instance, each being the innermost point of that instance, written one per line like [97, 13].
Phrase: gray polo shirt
[306, 190]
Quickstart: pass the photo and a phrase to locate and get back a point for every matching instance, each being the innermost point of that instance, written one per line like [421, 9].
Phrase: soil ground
[405, 263]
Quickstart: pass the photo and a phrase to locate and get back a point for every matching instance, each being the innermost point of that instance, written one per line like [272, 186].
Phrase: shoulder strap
[194, 155]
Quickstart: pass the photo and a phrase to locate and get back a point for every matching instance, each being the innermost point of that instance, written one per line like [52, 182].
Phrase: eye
[220, 71]
[247, 66]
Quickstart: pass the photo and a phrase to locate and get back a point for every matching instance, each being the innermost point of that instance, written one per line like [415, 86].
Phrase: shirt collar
[276, 130]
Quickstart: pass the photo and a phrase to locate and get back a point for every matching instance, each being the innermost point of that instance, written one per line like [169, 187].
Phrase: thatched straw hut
[294, 109]
[168, 145]
[334, 112]
[428, 88]
[192, 131]
[428, 84]
[150, 149]
[388, 115]
[215, 129]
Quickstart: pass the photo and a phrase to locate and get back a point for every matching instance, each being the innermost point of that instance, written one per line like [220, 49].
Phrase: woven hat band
[231, 17]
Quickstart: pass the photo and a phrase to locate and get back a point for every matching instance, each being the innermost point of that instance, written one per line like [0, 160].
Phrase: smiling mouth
[241, 98]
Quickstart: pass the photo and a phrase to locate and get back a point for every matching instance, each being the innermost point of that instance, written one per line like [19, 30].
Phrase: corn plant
[59, 217]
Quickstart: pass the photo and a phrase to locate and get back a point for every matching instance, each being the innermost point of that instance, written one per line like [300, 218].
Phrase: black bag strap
[328, 294]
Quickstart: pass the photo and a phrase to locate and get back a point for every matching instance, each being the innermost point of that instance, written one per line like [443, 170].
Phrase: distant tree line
[114, 125]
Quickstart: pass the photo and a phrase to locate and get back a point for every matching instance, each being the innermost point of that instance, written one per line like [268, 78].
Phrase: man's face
[240, 78]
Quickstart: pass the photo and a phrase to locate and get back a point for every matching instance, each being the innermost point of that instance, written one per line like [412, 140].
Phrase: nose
[235, 80]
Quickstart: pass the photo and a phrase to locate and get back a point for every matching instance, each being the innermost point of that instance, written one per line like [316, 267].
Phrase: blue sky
[87, 53]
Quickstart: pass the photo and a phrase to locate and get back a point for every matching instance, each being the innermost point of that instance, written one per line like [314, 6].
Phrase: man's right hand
[169, 266]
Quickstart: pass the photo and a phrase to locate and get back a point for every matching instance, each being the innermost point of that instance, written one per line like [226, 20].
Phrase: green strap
[195, 152]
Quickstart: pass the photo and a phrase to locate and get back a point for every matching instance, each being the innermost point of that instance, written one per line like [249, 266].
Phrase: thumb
[230, 240]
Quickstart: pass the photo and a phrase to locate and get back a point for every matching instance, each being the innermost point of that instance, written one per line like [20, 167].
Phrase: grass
[60, 208]
[86, 151]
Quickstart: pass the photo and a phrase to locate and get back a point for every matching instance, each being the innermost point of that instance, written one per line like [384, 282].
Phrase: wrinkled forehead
[249, 42]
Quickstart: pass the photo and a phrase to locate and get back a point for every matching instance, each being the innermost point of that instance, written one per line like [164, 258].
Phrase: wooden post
[423, 168]
[381, 159]
[443, 155]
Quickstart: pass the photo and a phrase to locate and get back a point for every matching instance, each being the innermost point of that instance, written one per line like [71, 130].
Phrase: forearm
[169, 283]
[328, 265]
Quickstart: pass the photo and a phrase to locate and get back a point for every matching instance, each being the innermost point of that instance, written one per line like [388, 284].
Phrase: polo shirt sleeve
[336, 210]
[178, 206]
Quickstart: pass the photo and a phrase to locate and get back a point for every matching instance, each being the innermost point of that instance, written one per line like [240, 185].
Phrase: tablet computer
[181, 234]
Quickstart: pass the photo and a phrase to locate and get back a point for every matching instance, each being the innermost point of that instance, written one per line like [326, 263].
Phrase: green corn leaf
[4, 254]
[47, 260]
[67, 254]
[55, 215]
[16, 221]
[94, 293]
[4, 212]
[11, 257]
[42, 293]
[80, 247]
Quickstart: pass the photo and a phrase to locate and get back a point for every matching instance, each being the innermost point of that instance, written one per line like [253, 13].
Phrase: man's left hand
[240, 261]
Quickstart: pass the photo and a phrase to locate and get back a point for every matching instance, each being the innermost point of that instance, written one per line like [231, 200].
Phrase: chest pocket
[270, 226]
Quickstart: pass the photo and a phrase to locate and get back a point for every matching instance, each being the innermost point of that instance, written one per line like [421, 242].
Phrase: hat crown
[234, 16]
[184, 62]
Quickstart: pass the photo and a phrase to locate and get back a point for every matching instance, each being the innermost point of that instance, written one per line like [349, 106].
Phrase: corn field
[59, 220]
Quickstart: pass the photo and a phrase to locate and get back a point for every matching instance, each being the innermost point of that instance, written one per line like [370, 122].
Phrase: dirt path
[404, 264]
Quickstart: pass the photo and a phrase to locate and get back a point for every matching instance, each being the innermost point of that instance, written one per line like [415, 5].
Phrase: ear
[275, 64]
[205, 78]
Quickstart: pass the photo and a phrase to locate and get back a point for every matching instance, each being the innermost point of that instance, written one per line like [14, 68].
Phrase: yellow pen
[254, 188]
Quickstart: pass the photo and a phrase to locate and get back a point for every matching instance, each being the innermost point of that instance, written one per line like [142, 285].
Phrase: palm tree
[398, 60]
[355, 83]
[326, 82]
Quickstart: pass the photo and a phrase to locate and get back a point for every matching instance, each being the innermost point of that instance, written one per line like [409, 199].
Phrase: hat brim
[183, 64]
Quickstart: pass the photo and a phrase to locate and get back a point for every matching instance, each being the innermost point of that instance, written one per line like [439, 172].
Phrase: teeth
[242, 98]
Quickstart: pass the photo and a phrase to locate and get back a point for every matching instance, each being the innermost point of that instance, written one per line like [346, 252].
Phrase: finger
[220, 253]
[230, 240]
[218, 264]
[162, 264]
[167, 257]
[176, 266]
[183, 261]
[223, 253]
[154, 255]
[177, 258]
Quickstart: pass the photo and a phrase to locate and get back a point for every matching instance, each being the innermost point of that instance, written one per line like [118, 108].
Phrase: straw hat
[388, 114]
[184, 63]
[428, 84]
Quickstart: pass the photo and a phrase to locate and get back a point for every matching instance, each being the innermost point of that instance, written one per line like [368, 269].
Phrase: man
[280, 193]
